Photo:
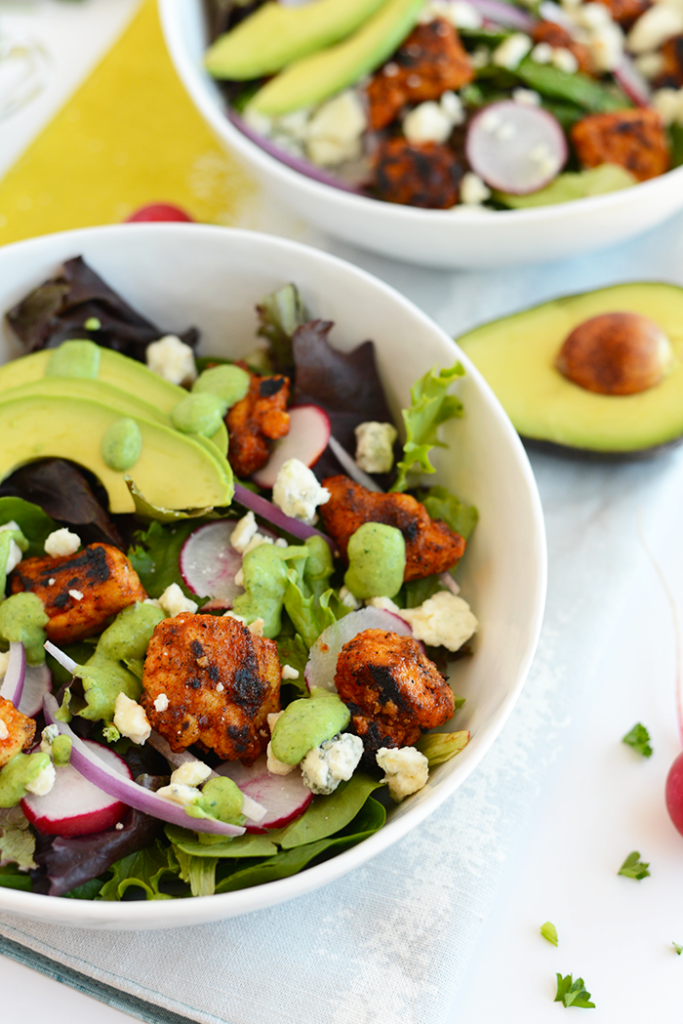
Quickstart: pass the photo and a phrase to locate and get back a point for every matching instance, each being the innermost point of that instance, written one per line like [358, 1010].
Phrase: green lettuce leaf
[35, 525]
[198, 872]
[439, 747]
[280, 313]
[156, 552]
[430, 407]
[142, 870]
[441, 504]
[11, 877]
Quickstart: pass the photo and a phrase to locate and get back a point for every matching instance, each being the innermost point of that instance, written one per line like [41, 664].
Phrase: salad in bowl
[407, 123]
[232, 626]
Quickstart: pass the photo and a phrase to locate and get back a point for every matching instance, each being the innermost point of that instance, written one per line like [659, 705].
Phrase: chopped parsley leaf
[572, 993]
[633, 867]
[679, 949]
[639, 739]
[549, 932]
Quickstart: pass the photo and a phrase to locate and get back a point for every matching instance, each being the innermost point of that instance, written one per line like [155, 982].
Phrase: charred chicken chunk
[671, 75]
[256, 421]
[431, 546]
[81, 591]
[16, 731]
[625, 12]
[431, 61]
[209, 681]
[424, 174]
[635, 139]
[559, 38]
[394, 692]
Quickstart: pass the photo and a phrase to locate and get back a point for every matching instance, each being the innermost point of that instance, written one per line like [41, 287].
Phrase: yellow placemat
[129, 136]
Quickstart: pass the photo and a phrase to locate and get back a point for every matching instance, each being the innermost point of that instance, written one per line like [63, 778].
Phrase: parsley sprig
[633, 867]
[679, 949]
[639, 739]
[573, 993]
[549, 932]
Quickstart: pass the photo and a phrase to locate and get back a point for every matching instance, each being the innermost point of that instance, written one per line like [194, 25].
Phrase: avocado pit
[615, 354]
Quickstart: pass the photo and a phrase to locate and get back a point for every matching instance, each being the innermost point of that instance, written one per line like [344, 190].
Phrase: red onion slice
[296, 163]
[37, 682]
[516, 148]
[505, 14]
[632, 82]
[352, 469]
[61, 658]
[13, 684]
[267, 510]
[322, 661]
[128, 792]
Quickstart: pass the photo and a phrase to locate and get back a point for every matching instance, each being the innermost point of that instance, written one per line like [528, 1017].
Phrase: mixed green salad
[444, 103]
[228, 603]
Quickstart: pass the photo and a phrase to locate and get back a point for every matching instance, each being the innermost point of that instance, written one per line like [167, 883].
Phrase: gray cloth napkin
[389, 943]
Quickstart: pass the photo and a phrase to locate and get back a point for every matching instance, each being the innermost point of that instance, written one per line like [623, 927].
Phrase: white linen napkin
[389, 943]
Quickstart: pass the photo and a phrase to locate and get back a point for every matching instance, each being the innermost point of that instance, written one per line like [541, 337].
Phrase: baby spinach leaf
[431, 406]
[327, 815]
[35, 525]
[576, 88]
[247, 845]
[12, 878]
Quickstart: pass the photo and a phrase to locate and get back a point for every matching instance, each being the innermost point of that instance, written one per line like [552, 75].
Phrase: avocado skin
[315, 78]
[516, 356]
[276, 35]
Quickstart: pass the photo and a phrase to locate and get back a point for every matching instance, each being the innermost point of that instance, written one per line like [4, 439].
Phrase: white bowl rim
[164, 913]
[345, 200]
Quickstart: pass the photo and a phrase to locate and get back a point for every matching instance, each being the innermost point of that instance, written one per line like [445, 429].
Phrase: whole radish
[159, 212]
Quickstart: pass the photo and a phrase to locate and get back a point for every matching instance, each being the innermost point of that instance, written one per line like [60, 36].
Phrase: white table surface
[601, 801]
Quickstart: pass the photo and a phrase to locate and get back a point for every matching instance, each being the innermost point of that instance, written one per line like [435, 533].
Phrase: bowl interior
[180, 275]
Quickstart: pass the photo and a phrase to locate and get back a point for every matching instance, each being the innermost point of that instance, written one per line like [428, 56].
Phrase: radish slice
[352, 469]
[505, 14]
[516, 148]
[266, 510]
[74, 806]
[37, 683]
[306, 440]
[13, 684]
[96, 771]
[285, 796]
[322, 662]
[632, 82]
[209, 563]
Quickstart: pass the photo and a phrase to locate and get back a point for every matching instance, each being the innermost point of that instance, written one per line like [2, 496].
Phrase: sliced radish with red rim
[74, 806]
[208, 563]
[322, 661]
[308, 437]
[285, 796]
[516, 148]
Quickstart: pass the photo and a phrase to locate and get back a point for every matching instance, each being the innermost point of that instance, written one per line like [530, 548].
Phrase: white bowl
[462, 237]
[179, 275]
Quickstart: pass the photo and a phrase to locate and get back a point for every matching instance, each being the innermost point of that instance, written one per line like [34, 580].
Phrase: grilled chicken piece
[431, 61]
[394, 692]
[80, 592]
[671, 75]
[635, 139]
[424, 174]
[256, 421]
[625, 12]
[220, 682]
[557, 37]
[16, 731]
[431, 546]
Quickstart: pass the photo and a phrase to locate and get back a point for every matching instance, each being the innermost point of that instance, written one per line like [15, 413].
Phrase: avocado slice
[174, 470]
[517, 356]
[319, 76]
[127, 375]
[275, 35]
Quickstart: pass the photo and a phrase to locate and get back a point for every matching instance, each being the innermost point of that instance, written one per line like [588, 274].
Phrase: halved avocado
[116, 370]
[174, 470]
[326, 72]
[275, 35]
[517, 357]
